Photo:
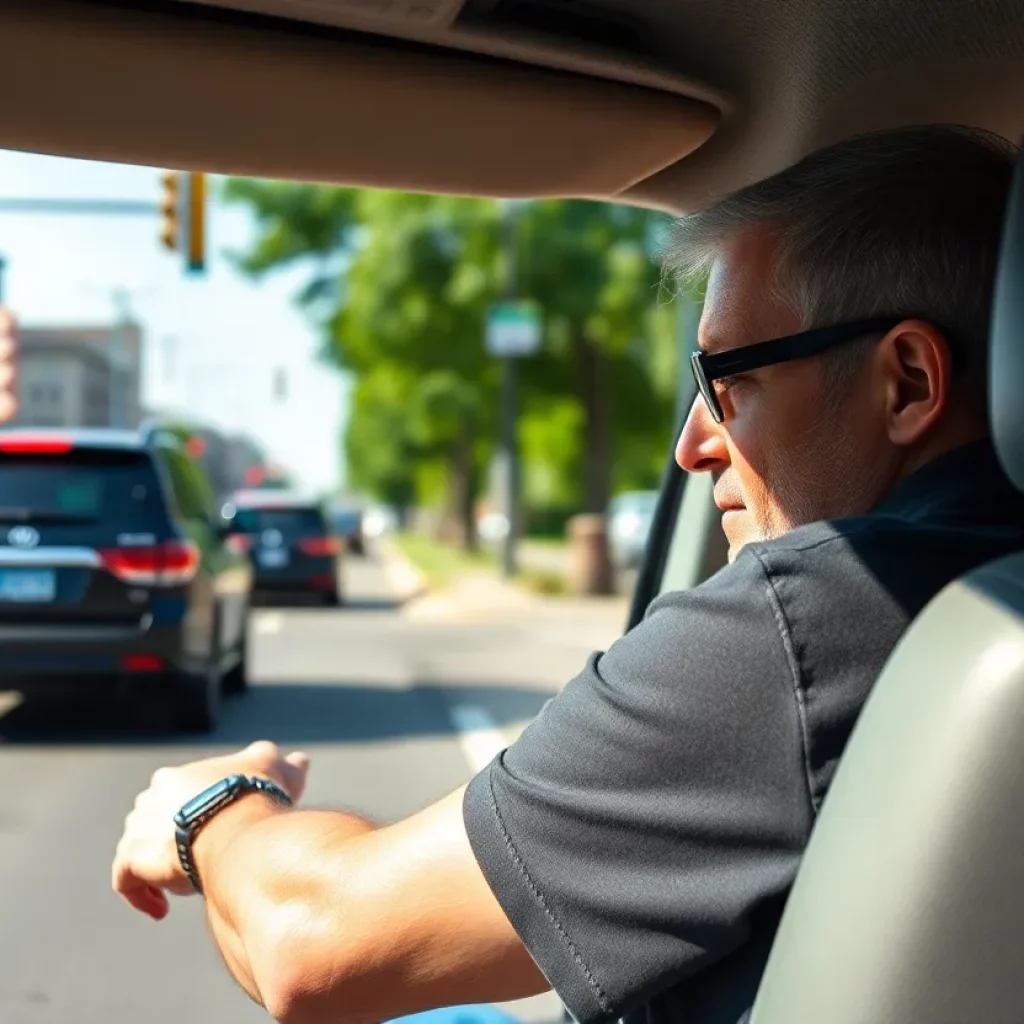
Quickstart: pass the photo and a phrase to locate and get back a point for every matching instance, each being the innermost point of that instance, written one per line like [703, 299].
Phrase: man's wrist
[218, 834]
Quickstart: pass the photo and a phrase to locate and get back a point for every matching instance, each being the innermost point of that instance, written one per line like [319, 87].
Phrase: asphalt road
[395, 713]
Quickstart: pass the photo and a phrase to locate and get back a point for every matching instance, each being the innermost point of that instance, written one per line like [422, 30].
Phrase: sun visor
[1006, 365]
[227, 95]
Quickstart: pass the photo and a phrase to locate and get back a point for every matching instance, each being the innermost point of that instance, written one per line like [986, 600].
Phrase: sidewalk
[482, 596]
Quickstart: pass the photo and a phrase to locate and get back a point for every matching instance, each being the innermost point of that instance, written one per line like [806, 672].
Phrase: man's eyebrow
[710, 345]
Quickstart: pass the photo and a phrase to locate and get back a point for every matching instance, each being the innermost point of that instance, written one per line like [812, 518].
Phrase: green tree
[379, 445]
[400, 289]
[416, 291]
[590, 268]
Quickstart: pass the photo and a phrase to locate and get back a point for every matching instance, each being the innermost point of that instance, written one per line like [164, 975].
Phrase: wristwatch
[200, 809]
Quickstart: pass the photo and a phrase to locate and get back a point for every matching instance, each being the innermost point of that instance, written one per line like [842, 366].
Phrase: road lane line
[269, 622]
[479, 736]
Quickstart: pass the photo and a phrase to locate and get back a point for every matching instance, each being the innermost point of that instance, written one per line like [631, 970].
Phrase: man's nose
[701, 447]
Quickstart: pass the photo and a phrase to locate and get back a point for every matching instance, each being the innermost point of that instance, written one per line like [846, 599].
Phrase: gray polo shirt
[643, 832]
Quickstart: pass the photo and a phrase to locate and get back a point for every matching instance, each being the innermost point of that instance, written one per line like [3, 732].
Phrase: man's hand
[146, 865]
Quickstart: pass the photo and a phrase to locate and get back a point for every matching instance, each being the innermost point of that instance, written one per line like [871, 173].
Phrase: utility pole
[510, 401]
[513, 333]
[280, 384]
[170, 352]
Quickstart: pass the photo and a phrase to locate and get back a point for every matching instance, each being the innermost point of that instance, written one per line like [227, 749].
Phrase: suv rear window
[291, 522]
[81, 486]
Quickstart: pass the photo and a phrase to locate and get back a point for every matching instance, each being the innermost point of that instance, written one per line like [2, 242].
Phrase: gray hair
[904, 222]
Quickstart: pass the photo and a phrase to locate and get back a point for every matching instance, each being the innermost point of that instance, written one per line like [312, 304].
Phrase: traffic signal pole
[115, 207]
[182, 212]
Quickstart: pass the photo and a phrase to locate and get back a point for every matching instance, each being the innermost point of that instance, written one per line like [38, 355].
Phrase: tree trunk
[595, 394]
[464, 486]
[592, 569]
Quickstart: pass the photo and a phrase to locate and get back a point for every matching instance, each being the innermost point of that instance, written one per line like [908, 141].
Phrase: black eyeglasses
[709, 368]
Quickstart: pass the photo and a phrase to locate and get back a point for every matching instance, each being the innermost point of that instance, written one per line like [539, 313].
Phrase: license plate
[272, 558]
[28, 585]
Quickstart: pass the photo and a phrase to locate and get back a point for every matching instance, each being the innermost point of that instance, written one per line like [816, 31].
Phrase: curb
[406, 581]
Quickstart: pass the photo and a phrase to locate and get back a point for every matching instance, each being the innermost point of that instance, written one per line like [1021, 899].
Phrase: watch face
[208, 798]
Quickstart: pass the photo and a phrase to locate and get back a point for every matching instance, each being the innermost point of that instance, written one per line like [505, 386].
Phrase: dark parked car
[293, 548]
[113, 573]
[347, 521]
[630, 516]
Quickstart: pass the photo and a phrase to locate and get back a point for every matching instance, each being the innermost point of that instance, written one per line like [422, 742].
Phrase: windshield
[346, 519]
[380, 428]
[290, 522]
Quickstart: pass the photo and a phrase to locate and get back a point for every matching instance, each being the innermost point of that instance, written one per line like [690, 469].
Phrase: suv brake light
[35, 445]
[320, 546]
[239, 543]
[154, 565]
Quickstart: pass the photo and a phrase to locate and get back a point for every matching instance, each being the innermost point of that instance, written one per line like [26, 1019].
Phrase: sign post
[513, 332]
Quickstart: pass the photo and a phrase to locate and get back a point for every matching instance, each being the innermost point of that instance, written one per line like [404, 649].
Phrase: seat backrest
[909, 903]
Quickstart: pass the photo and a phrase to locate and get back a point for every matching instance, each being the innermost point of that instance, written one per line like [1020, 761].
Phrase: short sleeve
[655, 803]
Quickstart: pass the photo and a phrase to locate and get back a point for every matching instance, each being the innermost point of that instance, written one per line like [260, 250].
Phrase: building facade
[79, 376]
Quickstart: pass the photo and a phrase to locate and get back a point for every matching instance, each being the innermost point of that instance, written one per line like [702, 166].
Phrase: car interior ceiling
[655, 102]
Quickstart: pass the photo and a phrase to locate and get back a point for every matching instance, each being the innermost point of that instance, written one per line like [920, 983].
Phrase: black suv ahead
[113, 571]
[294, 550]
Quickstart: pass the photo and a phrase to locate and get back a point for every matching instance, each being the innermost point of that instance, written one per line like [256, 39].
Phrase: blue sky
[212, 342]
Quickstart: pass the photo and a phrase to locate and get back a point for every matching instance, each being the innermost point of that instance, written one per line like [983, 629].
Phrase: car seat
[909, 904]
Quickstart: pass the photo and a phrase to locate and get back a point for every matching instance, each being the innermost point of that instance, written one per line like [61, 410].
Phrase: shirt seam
[799, 695]
[849, 530]
[603, 1001]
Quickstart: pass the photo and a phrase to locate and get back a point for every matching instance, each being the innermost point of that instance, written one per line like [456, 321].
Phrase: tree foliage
[400, 287]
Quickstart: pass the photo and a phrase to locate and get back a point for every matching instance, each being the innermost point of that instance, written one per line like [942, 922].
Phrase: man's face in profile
[783, 456]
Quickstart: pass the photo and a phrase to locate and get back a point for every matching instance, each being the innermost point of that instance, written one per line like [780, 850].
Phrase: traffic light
[183, 217]
[8, 366]
[170, 203]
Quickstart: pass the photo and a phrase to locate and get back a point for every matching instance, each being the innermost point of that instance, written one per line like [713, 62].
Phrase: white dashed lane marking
[479, 735]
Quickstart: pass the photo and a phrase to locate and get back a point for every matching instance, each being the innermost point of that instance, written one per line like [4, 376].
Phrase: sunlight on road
[266, 623]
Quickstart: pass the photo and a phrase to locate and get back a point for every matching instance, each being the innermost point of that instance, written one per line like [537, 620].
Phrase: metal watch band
[224, 793]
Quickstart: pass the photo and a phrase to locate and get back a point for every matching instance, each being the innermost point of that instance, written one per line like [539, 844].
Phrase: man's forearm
[273, 879]
[326, 920]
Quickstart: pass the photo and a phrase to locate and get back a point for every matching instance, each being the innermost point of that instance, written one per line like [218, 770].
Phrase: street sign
[513, 330]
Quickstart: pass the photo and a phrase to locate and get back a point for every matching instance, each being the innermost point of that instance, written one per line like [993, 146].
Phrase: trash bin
[590, 564]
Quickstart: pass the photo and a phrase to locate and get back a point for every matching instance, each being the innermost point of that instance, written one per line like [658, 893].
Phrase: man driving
[634, 848]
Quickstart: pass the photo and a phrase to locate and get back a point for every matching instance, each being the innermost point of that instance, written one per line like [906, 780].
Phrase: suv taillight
[239, 543]
[157, 565]
[320, 546]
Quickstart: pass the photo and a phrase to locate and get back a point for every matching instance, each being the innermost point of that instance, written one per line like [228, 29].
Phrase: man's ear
[916, 362]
